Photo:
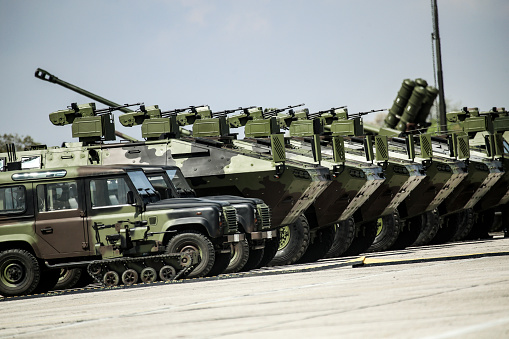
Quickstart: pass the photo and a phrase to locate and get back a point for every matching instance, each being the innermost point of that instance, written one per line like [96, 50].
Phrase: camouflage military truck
[102, 218]
[253, 214]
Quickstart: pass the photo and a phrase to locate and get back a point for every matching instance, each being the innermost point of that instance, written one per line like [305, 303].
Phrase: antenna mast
[441, 96]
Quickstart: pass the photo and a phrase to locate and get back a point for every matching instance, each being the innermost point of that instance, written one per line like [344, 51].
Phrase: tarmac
[458, 290]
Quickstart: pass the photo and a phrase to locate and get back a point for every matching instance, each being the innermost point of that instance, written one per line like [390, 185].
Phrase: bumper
[235, 237]
[263, 235]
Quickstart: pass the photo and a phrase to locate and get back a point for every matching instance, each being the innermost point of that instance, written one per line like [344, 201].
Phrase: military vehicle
[108, 219]
[406, 118]
[211, 165]
[253, 214]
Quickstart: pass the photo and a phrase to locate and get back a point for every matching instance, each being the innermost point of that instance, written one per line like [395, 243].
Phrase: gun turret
[88, 123]
[46, 76]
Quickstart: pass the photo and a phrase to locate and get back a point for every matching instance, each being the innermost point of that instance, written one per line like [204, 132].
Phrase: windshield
[179, 182]
[143, 185]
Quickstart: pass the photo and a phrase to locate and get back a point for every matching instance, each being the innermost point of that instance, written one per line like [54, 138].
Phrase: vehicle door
[107, 204]
[60, 217]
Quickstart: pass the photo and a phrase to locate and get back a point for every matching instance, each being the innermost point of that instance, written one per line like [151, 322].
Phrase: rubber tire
[255, 258]
[345, 233]
[32, 272]
[465, 220]
[389, 233]
[363, 240]
[269, 252]
[220, 264]
[409, 234]
[319, 245]
[430, 225]
[297, 245]
[448, 227]
[239, 256]
[68, 278]
[198, 240]
[49, 278]
[481, 226]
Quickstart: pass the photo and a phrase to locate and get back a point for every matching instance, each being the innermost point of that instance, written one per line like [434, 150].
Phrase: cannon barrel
[47, 76]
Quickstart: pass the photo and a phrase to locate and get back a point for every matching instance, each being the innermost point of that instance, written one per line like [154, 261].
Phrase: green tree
[21, 142]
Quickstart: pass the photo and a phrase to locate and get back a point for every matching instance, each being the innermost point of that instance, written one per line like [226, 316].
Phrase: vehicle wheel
[148, 275]
[111, 278]
[363, 240]
[387, 232]
[409, 234]
[68, 278]
[465, 220]
[239, 257]
[220, 264]
[448, 227]
[430, 225]
[49, 278]
[191, 241]
[255, 258]
[167, 273]
[345, 233]
[481, 226]
[293, 242]
[19, 272]
[269, 252]
[319, 246]
[129, 277]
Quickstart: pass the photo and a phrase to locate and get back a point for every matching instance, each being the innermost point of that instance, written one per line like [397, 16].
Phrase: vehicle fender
[23, 241]
[208, 227]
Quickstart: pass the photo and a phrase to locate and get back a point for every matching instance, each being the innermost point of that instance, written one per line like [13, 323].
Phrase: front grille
[230, 217]
[264, 212]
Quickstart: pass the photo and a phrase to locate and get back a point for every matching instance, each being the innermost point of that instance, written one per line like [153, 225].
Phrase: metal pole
[441, 95]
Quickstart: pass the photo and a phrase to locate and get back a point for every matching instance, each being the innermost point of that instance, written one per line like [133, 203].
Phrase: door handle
[47, 230]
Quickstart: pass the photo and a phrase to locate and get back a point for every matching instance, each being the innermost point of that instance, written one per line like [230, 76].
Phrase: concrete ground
[453, 291]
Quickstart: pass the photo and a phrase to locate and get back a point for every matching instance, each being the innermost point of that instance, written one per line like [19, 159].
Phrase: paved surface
[457, 291]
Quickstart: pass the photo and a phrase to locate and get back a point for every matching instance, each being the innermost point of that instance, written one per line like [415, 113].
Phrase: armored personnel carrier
[107, 219]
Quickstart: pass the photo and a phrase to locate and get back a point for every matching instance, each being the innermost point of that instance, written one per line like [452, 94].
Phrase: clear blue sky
[240, 53]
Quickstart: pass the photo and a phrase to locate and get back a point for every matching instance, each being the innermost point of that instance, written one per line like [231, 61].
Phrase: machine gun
[276, 111]
[88, 123]
[229, 111]
[332, 111]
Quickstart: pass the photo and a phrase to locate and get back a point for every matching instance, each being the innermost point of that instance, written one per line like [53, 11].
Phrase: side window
[57, 196]
[160, 186]
[108, 192]
[12, 199]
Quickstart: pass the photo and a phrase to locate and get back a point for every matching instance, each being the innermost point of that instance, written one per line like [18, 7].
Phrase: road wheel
[255, 258]
[363, 240]
[430, 225]
[239, 256]
[345, 233]
[319, 245]
[191, 241]
[465, 220]
[293, 243]
[49, 278]
[220, 264]
[19, 272]
[448, 227]
[481, 226]
[409, 234]
[269, 252]
[387, 232]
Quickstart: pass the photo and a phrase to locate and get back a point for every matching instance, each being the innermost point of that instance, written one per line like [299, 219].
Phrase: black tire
[448, 227]
[239, 257]
[430, 225]
[269, 252]
[190, 241]
[409, 234]
[49, 278]
[387, 232]
[255, 258]
[319, 245]
[345, 233]
[293, 243]
[68, 278]
[220, 264]
[363, 240]
[19, 272]
[465, 220]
